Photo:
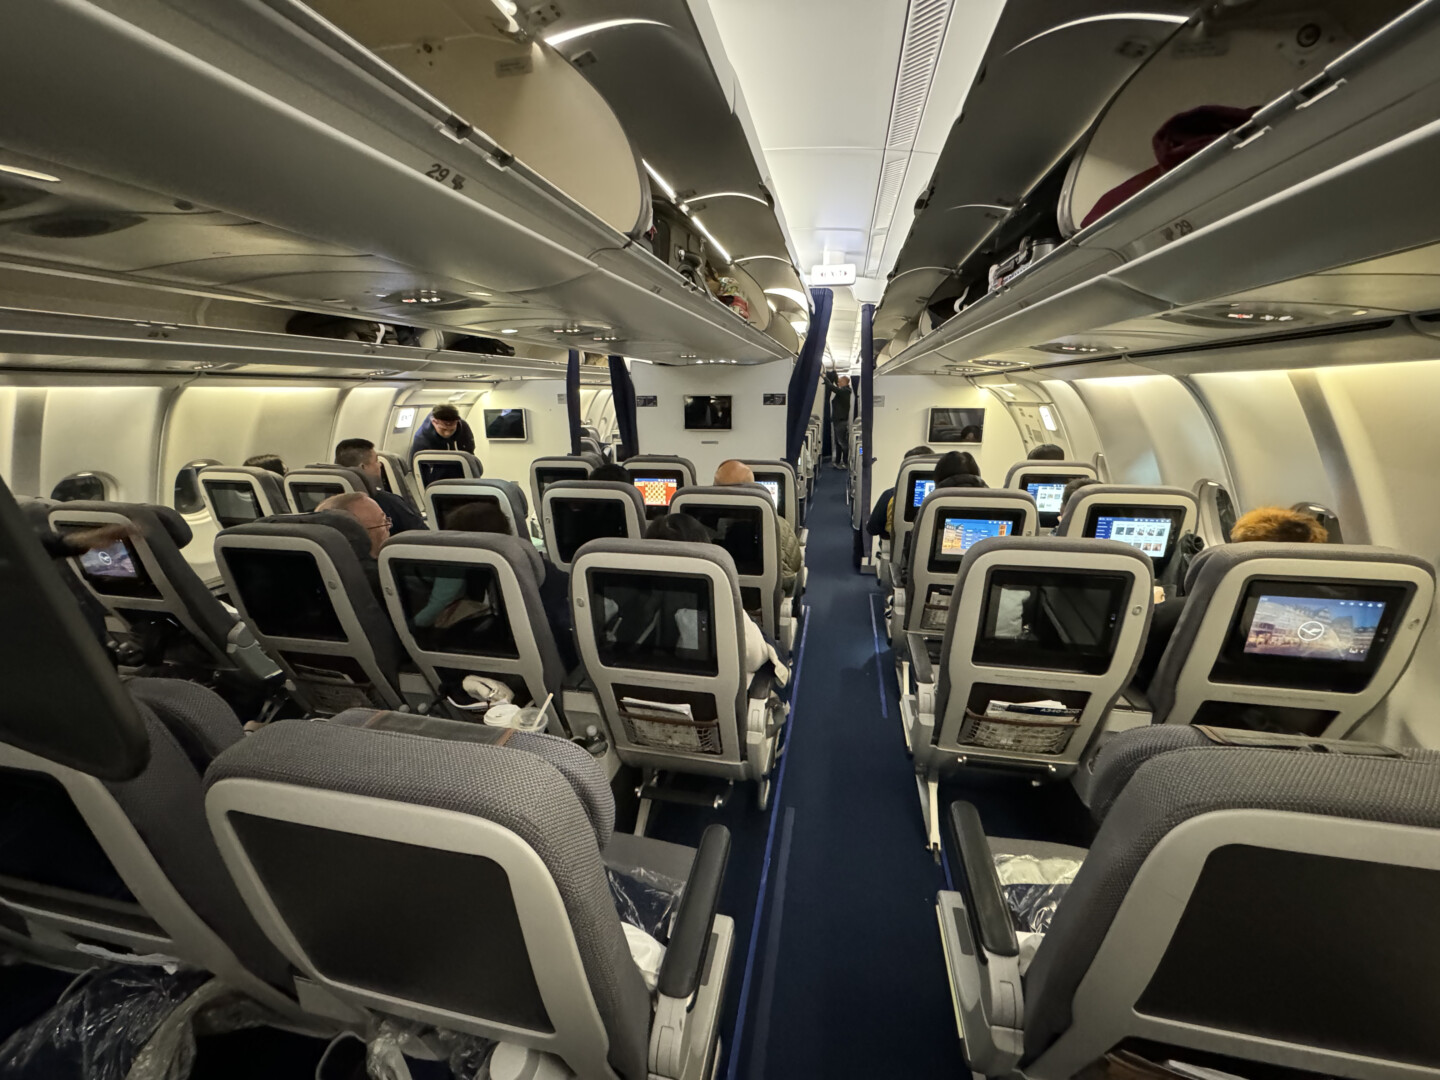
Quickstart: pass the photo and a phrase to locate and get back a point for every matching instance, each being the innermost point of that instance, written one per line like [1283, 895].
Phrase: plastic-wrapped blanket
[1033, 888]
[645, 899]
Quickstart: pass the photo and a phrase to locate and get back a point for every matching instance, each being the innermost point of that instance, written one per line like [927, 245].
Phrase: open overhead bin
[266, 156]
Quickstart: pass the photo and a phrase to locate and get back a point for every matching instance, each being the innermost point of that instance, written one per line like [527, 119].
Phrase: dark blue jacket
[427, 438]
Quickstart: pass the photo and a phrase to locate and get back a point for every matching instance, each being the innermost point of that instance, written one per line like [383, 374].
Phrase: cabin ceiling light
[557, 39]
[709, 236]
[29, 174]
[727, 195]
[664, 185]
[1114, 16]
[507, 10]
[509, 331]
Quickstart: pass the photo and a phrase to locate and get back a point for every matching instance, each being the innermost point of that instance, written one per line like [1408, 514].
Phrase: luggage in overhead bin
[1029, 251]
[679, 244]
[485, 346]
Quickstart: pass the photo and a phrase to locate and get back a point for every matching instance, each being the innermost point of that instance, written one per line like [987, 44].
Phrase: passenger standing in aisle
[443, 430]
[839, 419]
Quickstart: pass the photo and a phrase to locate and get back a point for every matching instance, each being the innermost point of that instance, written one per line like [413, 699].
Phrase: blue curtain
[623, 400]
[805, 377]
[572, 399]
[867, 400]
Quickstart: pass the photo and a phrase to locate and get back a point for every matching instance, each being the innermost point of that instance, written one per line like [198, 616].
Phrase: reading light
[558, 39]
[29, 174]
[509, 331]
[718, 246]
[665, 187]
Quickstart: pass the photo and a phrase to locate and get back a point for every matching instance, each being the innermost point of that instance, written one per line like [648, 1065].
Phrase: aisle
[847, 977]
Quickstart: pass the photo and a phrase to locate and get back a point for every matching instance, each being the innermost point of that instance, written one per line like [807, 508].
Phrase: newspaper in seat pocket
[658, 710]
[1030, 712]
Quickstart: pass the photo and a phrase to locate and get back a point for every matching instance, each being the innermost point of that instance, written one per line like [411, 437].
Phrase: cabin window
[188, 499]
[84, 485]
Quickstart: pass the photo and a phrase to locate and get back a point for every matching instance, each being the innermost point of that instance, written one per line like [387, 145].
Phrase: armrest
[989, 917]
[685, 955]
[763, 681]
[577, 680]
[920, 664]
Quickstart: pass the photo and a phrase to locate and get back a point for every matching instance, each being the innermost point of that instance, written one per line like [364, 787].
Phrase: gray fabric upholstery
[37, 511]
[358, 481]
[950, 497]
[585, 774]
[475, 465]
[506, 490]
[1172, 786]
[1045, 467]
[1120, 756]
[200, 720]
[166, 804]
[513, 788]
[1052, 546]
[1120, 493]
[1213, 565]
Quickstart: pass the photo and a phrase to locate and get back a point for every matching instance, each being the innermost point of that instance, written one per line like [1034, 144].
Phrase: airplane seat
[1041, 637]
[307, 586]
[685, 466]
[433, 465]
[1235, 901]
[913, 483]
[236, 494]
[659, 477]
[367, 854]
[574, 512]
[780, 479]
[545, 471]
[309, 486]
[743, 520]
[658, 625]
[1300, 638]
[398, 478]
[1046, 480]
[444, 497]
[1152, 519]
[154, 598]
[592, 445]
[469, 604]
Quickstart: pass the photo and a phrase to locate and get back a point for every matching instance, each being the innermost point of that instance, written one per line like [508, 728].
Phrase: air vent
[74, 226]
[431, 300]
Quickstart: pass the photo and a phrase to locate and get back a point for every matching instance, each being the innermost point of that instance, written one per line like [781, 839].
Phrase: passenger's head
[271, 462]
[955, 463]
[844, 380]
[365, 510]
[971, 433]
[681, 527]
[612, 473]
[918, 451]
[1074, 486]
[445, 419]
[960, 480]
[1048, 451]
[359, 454]
[1274, 525]
[479, 517]
[734, 472]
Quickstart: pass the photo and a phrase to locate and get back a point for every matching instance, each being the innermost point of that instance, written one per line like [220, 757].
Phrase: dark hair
[1074, 486]
[352, 453]
[955, 463]
[615, 474]
[1048, 451]
[681, 527]
[963, 480]
[971, 433]
[917, 451]
[479, 517]
[448, 413]
[270, 462]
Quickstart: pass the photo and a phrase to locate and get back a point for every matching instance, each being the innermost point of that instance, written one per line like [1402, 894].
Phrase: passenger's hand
[103, 537]
[1159, 594]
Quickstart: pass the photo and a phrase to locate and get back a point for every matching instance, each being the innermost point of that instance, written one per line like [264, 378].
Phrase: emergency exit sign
[833, 274]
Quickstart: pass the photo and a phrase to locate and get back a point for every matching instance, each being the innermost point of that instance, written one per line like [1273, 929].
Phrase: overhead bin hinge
[1316, 89]
[456, 127]
[1245, 134]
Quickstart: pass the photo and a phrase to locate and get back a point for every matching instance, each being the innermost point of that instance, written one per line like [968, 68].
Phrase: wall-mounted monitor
[505, 424]
[707, 412]
[956, 425]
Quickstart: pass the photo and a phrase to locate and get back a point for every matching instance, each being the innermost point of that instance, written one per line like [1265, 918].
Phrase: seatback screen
[308, 494]
[114, 561]
[446, 505]
[653, 621]
[233, 501]
[454, 607]
[1152, 530]
[957, 531]
[1056, 620]
[738, 530]
[578, 521]
[115, 570]
[544, 477]
[657, 490]
[430, 471]
[1049, 496]
[773, 487]
[921, 485]
[284, 594]
[1310, 635]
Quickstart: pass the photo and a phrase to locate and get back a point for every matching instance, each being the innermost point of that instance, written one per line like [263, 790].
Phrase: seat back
[659, 477]
[469, 603]
[1039, 619]
[398, 478]
[433, 465]
[1305, 638]
[1149, 519]
[545, 471]
[574, 512]
[1194, 918]
[744, 522]
[238, 494]
[1046, 480]
[913, 484]
[778, 477]
[949, 522]
[308, 487]
[453, 882]
[444, 497]
[658, 622]
[148, 588]
[310, 591]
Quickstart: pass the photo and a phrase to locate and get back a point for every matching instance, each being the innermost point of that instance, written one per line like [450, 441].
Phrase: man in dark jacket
[359, 454]
[443, 430]
[839, 419]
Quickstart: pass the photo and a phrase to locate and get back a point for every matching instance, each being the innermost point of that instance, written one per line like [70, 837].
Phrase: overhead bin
[250, 115]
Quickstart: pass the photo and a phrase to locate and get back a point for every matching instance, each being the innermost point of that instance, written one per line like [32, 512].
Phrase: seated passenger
[957, 463]
[1047, 452]
[359, 454]
[1268, 524]
[1070, 489]
[487, 517]
[737, 472]
[882, 518]
[960, 480]
[271, 462]
[758, 649]
[367, 511]
[611, 473]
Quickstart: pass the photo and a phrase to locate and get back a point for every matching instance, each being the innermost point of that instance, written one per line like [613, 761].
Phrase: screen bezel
[139, 587]
[911, 509]
[1235, 666]
[707, 514]
[544, 475]
[940, 563]
[1173, 514]
[566, 509]
[1048, 518]
[991, 651]
[782, 492]
[729, 400]
[705, 663]
[935, 437]
[486, 417]
[231, 487]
